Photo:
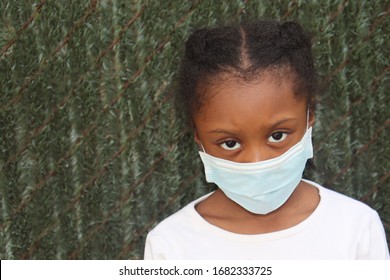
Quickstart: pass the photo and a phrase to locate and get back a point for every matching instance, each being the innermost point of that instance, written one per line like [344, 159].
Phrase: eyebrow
[223, 131]
[282, 121]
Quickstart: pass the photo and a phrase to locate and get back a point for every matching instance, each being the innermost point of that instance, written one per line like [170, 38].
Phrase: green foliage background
[92, 151]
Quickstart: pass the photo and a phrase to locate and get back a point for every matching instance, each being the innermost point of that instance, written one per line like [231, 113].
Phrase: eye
[277, 137]
[231, 145]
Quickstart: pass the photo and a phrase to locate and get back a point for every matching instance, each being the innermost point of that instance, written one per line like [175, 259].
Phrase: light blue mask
[260, 187]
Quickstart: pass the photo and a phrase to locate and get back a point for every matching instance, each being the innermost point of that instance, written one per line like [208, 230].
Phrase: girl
[249, 94]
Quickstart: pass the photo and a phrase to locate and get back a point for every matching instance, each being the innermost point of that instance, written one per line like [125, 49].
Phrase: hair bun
[196, 44]
[214, 47]
[293, 36]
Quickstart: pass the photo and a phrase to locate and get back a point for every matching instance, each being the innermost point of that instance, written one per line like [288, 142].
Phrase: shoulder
[350, 221]
[169, 238]
[345, 210]
[340, 203]
[181, 220]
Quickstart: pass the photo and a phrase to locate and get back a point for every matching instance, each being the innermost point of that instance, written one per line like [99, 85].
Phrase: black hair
[246, 51]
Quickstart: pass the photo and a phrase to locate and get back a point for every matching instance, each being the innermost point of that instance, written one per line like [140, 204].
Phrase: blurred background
[92, 151]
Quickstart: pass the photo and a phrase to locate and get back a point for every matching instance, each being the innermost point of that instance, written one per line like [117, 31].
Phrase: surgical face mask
[260, 187]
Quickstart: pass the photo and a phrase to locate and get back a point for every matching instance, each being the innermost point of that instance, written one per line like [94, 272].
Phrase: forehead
[266, 97]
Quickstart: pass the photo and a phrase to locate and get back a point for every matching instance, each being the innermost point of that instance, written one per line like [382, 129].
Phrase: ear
[311, 118]
[197, 139]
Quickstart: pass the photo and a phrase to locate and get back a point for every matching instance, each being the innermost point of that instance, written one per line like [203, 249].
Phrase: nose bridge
[255, 153]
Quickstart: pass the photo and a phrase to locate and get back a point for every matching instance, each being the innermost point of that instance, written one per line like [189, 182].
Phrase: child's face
[250, 122]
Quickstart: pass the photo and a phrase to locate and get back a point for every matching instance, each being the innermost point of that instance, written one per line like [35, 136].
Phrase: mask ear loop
[203, 150]
[307, 118]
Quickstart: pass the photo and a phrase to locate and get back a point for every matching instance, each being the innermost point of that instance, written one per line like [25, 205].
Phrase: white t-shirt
[339, 228]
